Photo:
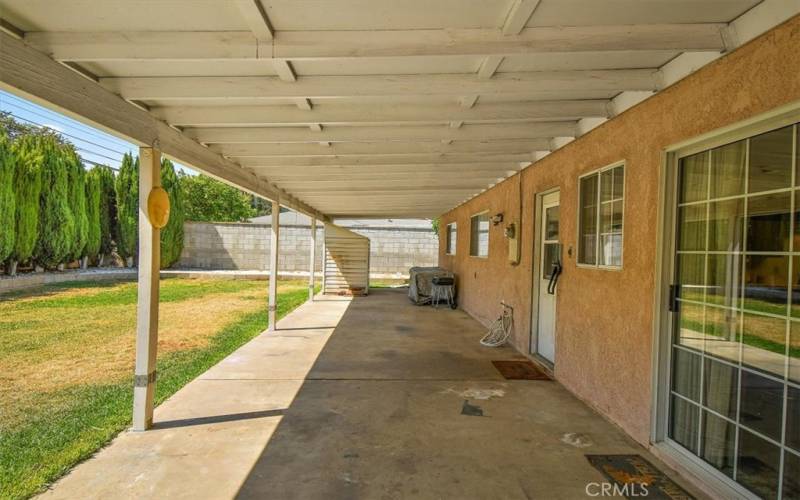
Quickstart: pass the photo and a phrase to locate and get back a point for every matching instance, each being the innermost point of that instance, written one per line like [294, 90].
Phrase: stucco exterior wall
[604, 318]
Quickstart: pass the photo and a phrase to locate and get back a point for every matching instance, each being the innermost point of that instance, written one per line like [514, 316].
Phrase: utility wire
[78, 127]
[112, 150]
[62, 120]
[77, 146]
[88, 151]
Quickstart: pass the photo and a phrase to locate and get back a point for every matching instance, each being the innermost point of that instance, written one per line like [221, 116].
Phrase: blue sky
[93, 145]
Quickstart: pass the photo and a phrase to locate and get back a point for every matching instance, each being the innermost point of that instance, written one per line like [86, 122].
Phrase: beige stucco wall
[605, 318]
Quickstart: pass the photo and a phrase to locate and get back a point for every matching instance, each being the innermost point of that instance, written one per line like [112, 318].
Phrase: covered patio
[370, 397]
[536, 130]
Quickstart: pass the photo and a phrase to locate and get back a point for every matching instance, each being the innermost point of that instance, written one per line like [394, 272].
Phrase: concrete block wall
[393, 250]
[245, 246]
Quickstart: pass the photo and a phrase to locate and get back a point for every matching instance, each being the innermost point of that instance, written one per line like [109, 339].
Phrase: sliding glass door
[734, 385]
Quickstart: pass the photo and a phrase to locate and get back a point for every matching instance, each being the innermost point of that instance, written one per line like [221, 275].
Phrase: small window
[450, 236]
[479, 235]
[600, 225]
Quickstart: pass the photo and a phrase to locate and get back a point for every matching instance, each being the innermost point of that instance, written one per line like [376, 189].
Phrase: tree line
[54, 212]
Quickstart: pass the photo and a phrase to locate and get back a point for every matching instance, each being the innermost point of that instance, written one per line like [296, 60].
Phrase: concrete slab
[359, 398]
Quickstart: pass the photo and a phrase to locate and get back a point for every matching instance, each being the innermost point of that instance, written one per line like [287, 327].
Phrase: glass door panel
[735, 370]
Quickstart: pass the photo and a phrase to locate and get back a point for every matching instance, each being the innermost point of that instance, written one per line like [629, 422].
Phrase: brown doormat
[519, 370]
[632, 476]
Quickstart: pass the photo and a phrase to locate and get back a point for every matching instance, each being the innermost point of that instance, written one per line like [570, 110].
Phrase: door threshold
[543, 364]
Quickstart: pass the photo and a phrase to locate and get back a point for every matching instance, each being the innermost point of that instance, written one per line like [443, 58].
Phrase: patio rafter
[27, 70]
[342, 112]
[317, 45]
[269, 88]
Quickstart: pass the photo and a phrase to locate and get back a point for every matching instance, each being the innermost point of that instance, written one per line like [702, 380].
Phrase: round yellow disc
[158, 207]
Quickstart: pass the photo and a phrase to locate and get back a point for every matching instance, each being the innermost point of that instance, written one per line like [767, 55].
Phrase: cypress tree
[8, 204]
[76, 185]
[57, 225]
[127, 189]
[94, 238]
[108, 208]
[28, 187]
[172, 233]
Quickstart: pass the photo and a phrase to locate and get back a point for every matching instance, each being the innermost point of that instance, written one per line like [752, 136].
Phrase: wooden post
[273, 263]
[324, 260]
[313, 255]
[147, 308]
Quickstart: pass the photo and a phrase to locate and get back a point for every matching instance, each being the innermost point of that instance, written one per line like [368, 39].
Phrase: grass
[762, 332]
[388, 282]
[751, 339]
[66, 363]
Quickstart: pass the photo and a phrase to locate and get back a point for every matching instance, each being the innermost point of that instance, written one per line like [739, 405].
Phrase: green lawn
[66, 362]
[387, 282]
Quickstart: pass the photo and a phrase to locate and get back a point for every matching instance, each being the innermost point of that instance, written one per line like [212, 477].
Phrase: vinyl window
[479, 235]
[600, 217]
[450, 236]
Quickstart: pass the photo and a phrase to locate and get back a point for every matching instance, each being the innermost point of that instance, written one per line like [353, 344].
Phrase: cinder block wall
[246, 246]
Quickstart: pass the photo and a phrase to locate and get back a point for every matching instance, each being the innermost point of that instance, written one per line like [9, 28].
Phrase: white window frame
[488, 239]
[448, 239]
[598, 172]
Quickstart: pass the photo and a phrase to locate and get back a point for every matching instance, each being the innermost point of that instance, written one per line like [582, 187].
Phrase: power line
[62, 120]
[40, 125]
[78, 148]
[77, 127]
[112, 150]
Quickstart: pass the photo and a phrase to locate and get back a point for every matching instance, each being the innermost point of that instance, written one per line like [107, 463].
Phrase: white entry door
[549, 270]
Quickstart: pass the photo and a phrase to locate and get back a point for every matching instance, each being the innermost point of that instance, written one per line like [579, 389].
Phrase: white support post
[313, 257]
[147, 307]
[273, 264]
[324, 261]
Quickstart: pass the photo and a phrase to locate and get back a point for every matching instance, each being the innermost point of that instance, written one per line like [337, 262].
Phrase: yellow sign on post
[158, 207]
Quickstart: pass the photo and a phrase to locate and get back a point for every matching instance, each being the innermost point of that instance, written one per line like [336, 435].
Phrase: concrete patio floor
[358, 398]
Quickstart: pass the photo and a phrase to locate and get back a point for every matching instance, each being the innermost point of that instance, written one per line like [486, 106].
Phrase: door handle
[551, 285]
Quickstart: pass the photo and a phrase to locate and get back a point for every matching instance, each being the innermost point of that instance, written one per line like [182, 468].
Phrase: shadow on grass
[52, 440]
[171, 290]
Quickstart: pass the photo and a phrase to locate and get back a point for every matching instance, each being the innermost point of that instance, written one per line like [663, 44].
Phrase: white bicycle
[500, 330]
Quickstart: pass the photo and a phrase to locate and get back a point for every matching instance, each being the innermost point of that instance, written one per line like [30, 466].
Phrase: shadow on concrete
[279, 329]
[381, 415]
[216, 419]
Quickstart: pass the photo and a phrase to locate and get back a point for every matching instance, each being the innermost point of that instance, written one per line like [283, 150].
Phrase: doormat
[632, 476]
[519, 370]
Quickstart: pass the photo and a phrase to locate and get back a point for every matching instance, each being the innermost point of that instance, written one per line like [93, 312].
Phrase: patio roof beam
[366, 114]
[477, 132]
[404, 195]
[408, 184]
[331, 44]
[29, 72]
[428, 177]
[254, 15]
[385, 147]
[383, 159]
[249, 87]
[388, 172]
[518, 16]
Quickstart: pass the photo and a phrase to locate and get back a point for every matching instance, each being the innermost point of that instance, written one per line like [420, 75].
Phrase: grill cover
[420, 280]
